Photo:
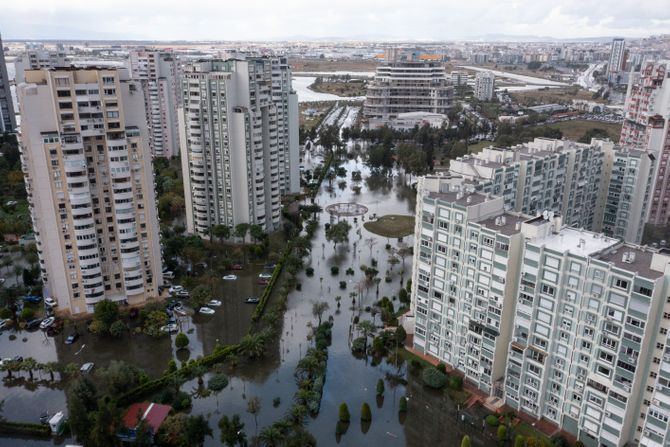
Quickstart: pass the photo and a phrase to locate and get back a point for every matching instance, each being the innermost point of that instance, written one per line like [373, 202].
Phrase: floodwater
[517, 77]
[348, 379]
[305, 94]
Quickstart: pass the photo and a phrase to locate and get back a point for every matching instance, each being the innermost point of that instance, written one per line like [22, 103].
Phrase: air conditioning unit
[608, 414]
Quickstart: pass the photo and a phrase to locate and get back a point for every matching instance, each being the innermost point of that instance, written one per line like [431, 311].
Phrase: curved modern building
[90, 186]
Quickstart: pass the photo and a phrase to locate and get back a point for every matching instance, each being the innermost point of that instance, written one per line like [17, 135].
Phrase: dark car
[32, 298]
[72, 338]
[33, 324]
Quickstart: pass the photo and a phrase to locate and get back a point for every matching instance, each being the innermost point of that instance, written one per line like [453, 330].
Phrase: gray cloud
[266, 20]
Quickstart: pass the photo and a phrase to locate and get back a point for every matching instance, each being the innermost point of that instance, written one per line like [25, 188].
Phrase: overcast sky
[355, 19]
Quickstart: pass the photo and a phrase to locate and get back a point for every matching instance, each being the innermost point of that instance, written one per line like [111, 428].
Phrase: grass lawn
[576, 129]
[391, 225]
[526, 430]
[408, 356]
[477, 147]
[553, 95]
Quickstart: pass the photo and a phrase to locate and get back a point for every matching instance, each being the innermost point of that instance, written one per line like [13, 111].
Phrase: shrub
[309, 271]
[366, 413]
[502, 433]
[276, 402]
[334, 270]
[441, 367]
[343, 285]
[5, 313]
[465, 442]
[403, 296]
[577, 444]
[520, 441]
[380, 387]
[403, 404]
[358, 345]
[415, 364]
[117, 329]
[298, 286]
[387, 246]
[456, 382]
[434, 378]
[181, 341]
[350, 271]
[492, 420]
[344, 415]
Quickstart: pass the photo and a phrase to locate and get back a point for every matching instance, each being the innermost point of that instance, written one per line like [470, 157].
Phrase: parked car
[179, 309]
[45, 324]
[236, 267]
[33, 324]
[265, 275]
[263, 281]
[170, 328]
[72, 338]
[168, 275]
[3, 324]
[206, 310]
[183, 293]
[230, 277]
[214, 303]
[50, 302]
[252, 300]
[175, 289]
[32, 299]
[86, 368]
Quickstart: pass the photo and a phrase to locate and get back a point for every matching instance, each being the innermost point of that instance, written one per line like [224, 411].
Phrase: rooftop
[639, 262]
[507, 226]
[578, 242]
[153, 413]
[459, 198]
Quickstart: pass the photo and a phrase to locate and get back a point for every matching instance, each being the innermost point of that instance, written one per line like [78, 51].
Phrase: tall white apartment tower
[238, 141]
[7, 117]
[88, 174]
[484, 85]
[157, 71]
[617, 62]
[36, 59]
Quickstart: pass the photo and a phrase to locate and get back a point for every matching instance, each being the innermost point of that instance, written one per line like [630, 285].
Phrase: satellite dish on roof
[545, 214]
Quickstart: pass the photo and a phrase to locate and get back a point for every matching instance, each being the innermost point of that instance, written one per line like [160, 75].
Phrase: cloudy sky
[354, 19]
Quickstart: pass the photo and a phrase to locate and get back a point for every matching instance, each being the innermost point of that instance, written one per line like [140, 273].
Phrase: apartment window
[549, 290]
[620, 283]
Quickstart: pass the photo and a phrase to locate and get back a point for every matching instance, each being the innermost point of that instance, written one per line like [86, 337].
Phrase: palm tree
[271, 436]
[50, 368]
[30, 364]
[368, 328]
[254, 407]
[318, 309]
[198, 371]
[252, 345]
[232, 431]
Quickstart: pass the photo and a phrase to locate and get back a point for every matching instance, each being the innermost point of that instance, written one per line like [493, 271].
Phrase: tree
[271, 436]
[502, 433]
[106, 312]
[201, 296]
[120, 377]
[106, 423]
[256, 232]
[366, 413]
[319, 308]
[434, 378]
[241, 230]
[50, 368]
[181, 340]
[520, 441]
[253, 408]
[380, 387]
[402, 406]
[368, 328]
[465, 442]
[217, 382]
[117, 329]
[221, 231]
[29, 364]
[27, 314]
[153, 323]
[81, 404]
[403, 296]
[232, 431]
[344, 415]
[338, 232]
[196, 430]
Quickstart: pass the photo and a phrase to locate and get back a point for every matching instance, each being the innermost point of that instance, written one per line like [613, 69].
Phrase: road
[586, 79]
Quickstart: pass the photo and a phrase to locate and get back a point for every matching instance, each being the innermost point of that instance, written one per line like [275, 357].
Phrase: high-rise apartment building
[158, 73]
[239, 142]
[7, 117]
[88, 174]
[646, 127]
[406, 83]
[598, 186]
[617, 61]
[566, 325]
[37, 59]
[484, 85]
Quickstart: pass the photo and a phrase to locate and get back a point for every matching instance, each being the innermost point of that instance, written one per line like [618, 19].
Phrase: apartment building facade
[646, 127]
[484, 85]
[565, 325]
[7, 117]
[406, 83]
[158, 74]
[617, 60]
[239, 142]
[89, 179]
[37, 59]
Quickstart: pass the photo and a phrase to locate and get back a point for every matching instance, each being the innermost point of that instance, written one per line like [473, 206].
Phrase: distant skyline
[344, 19]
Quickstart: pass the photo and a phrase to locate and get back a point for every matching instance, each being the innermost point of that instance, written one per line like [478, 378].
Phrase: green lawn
[477, 147]
[575, 129]
[391, 225]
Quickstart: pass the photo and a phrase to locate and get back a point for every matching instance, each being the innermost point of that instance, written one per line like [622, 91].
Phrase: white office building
[239, 142]
[484, 85]
[158, 74]
[89, 182]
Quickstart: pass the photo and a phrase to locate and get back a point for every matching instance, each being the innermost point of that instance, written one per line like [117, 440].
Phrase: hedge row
[24, 429]
[260, 307]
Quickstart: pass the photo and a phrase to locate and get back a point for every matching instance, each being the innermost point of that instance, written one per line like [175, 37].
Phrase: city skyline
[37, 19]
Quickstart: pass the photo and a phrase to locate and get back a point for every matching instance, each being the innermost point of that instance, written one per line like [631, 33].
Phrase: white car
[175, 289]
[214, 303]
[170, 328]
[47, 323]
[86, 368]
[50, 302]
[181, 310]
[265, 275]
[206, 310]
[230, 277]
